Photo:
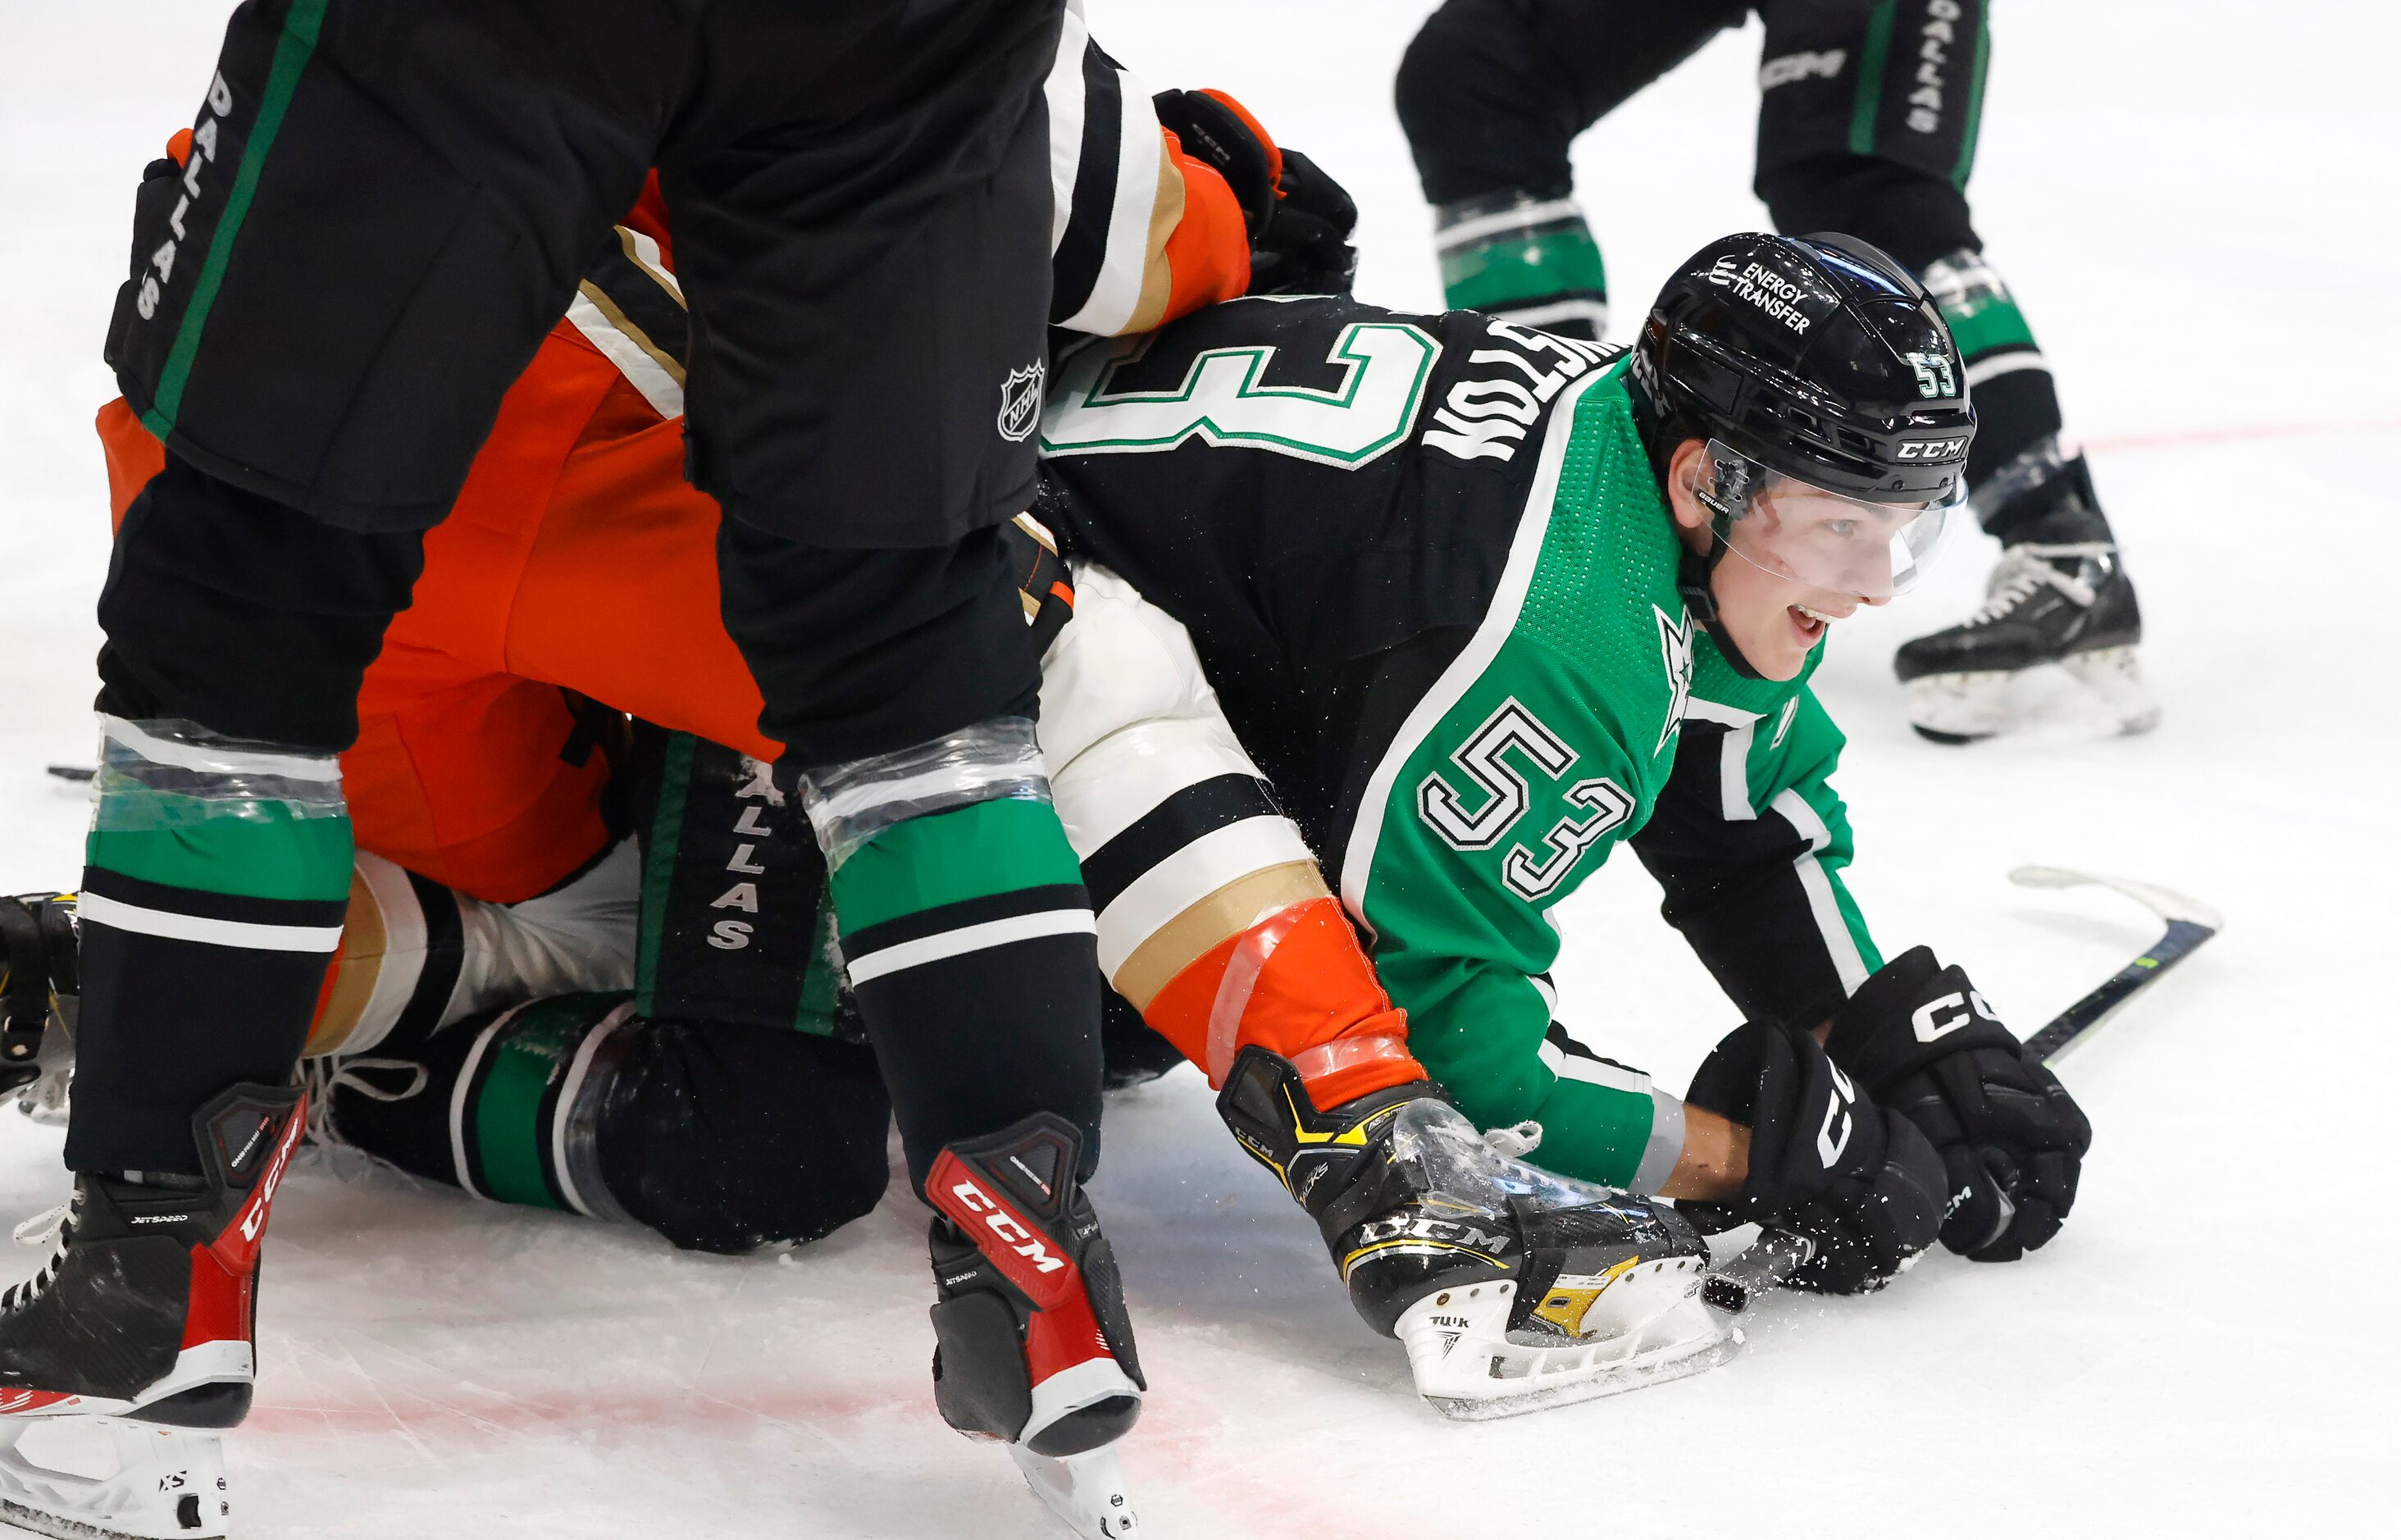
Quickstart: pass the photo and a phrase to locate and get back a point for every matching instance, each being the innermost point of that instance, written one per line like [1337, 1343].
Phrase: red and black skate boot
[140, 1323]
[1032, 1346]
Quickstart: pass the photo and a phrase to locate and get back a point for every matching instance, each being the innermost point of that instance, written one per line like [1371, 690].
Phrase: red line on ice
[2200, 437]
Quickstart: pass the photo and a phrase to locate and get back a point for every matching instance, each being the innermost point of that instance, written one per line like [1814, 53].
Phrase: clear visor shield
[1807, 535]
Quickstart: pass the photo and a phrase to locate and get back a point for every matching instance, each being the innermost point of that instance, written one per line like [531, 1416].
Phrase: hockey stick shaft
[2064, 1030]
[1778, 1254]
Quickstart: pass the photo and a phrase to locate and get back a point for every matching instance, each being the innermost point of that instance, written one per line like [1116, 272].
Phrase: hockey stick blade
[1777, 1254]
[2189, 924]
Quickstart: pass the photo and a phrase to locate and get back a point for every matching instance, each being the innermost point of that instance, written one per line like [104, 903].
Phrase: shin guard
[1033, 1344]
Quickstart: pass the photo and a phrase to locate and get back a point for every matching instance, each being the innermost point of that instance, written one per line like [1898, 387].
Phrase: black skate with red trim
[1033, 1347]
[142, 1323]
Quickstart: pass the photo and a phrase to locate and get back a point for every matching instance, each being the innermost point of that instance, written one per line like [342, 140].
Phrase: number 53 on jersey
[1497, 797]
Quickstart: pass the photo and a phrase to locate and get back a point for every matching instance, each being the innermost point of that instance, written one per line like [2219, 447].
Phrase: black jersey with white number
[1392, 459]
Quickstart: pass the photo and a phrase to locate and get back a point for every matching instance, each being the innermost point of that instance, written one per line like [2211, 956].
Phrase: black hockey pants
[1867, 108]
[386, 207]
[1868, 115]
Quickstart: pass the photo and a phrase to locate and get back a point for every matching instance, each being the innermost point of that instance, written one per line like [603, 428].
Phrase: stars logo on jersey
[1675, 658]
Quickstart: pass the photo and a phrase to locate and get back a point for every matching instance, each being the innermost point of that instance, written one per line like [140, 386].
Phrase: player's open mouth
[1809, 624]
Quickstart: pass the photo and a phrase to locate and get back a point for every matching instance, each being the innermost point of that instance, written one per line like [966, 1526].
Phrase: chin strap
[1693, 582]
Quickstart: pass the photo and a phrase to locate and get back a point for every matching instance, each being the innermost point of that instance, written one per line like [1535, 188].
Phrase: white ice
[2195, 202]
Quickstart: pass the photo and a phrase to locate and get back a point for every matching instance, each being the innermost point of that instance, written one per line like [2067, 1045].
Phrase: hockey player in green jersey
[1482, 602]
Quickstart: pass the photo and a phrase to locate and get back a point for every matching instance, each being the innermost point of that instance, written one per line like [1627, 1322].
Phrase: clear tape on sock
[171, 774]
[1314, 1063]
[1499, 216]
[576, 1151]
[851, 803]
[1963, 283]
[2036, 465]
[1235, 987]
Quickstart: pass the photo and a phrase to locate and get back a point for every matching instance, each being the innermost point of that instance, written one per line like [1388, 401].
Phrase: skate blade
[1961, 707]
[1642, 1328]
[1614, 1381]
[1087, 1490]
[170, 1484]
[2113, 675]
[1955, 708]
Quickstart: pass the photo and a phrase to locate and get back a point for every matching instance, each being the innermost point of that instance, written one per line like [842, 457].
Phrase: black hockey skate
[1033, 1345]
[142, 1322]
[38, 992]
[1513, 1289]
[2060, 596]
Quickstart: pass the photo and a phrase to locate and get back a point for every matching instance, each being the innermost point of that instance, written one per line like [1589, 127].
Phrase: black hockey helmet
[1817, 356]
[1814, 360]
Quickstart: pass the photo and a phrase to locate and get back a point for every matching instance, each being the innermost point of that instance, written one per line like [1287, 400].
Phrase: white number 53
[1507, 796]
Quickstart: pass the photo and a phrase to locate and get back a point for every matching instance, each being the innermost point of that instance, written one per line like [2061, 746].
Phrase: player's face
[1797, 563]
[1774, 619]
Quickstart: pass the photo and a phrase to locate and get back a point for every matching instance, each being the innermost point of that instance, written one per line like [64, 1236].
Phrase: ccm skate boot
[1032, 1347]
[38, 992]
[2060, 596]
[140, 1323]
[1512, 1288]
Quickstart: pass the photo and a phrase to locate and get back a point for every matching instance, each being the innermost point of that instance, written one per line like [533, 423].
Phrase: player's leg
[862, 478]
[720, 1135]
[1213, 920]
[1213, 917]
[496, 862]
[728, 1103]
[1869, 121]
[367, 237]
[1491, 93]
[519, 882]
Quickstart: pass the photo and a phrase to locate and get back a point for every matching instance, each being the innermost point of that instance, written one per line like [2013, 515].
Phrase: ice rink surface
[2194, 202]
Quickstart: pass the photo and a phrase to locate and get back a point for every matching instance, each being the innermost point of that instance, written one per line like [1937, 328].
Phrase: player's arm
[1164, 205]
[1749, 841]
[1464, 950]
[1761, 899]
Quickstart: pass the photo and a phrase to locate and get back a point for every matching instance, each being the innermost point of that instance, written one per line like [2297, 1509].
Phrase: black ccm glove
[1299, 218]
[1825, 1162]
[1924, 1044]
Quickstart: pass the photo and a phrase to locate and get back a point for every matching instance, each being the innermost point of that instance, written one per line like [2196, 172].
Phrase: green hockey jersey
[1428, 568]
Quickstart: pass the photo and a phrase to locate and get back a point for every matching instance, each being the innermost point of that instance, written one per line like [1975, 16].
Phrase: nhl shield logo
[1020, 401]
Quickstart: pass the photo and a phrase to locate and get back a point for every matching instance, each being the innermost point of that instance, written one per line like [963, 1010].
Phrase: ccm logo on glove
[1931, 1023]
[1922, 1041]
[1838, 1105]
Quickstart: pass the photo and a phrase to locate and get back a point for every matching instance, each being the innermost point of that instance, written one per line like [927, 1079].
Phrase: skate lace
[321, 1077]
[53, 1228]
[2026, 569]
[1516, 1141]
